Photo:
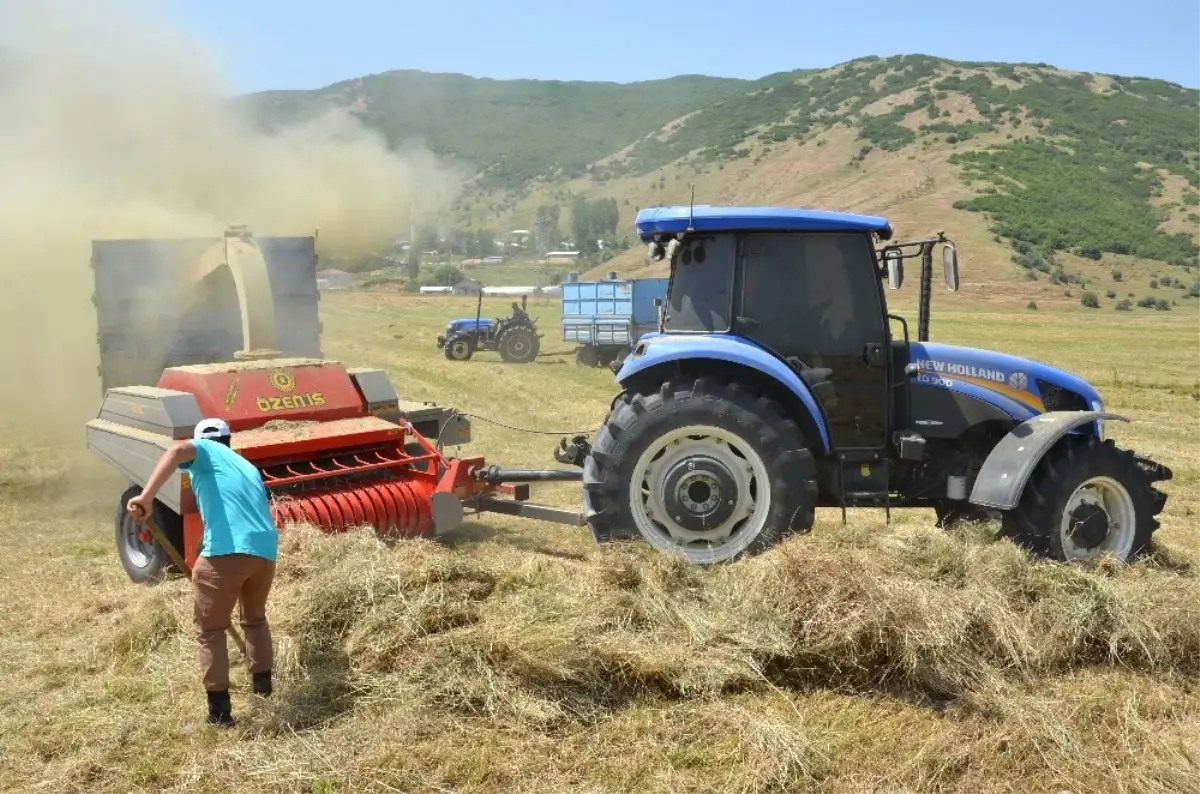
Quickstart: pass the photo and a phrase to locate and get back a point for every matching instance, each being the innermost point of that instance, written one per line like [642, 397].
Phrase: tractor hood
[1031, 384]
[1019, 386]
[466, 324]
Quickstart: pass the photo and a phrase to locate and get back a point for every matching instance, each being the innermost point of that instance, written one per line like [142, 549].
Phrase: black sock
[262, 684]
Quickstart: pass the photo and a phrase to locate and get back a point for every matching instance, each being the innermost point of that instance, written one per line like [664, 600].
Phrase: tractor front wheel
[142, 558]
[519, 345]
[702, 469]
[460, 347]
[1086, 499]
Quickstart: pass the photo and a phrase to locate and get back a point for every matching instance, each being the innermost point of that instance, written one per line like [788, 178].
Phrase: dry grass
[521, 657]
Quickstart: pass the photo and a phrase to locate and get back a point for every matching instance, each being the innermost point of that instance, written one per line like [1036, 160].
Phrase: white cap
[211, 428]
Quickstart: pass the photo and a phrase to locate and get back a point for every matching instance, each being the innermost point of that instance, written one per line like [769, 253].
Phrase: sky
[302, 44]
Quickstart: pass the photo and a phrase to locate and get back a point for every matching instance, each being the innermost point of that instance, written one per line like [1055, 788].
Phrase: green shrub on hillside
[1087, 190]
[1094, 201]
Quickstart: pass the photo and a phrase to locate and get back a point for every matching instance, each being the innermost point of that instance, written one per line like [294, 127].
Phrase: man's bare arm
[179, 453]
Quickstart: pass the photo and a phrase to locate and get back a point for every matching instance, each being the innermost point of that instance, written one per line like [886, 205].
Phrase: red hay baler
[336, 447]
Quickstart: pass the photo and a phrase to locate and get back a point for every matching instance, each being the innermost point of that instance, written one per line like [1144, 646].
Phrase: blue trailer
[606, 318]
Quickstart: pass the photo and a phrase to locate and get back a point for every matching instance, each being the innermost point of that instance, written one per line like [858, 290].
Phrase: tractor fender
[1006, 470]
[653, 352]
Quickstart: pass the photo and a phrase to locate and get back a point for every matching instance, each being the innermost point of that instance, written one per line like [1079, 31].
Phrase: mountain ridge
[1060, 175]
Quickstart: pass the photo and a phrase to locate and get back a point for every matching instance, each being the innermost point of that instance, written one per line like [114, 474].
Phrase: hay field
[520, 657]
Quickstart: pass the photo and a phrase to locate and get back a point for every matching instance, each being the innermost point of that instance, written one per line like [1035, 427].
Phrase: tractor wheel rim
[459, 349]
[700, 490]
[139, 552]
[518, 345]
[1099, 518]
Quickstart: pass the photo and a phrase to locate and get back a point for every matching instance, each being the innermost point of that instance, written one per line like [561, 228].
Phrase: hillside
[1041, 175]
[508, 131]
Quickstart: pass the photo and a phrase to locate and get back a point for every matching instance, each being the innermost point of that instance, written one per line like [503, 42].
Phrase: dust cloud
[114, 123]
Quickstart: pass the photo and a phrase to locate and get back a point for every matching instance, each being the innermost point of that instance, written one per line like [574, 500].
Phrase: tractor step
[863, 480]
[867, 499]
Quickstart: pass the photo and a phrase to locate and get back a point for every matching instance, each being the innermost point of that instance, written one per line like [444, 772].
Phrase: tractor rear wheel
[1085, 499]
[141, 557]
[460, 347]
[703, 469]
[519, 345]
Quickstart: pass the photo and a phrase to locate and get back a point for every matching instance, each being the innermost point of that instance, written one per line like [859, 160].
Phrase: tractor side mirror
[895, 269]
[950, 266]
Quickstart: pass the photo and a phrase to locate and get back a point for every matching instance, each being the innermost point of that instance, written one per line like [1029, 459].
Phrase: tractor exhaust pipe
[926, 292]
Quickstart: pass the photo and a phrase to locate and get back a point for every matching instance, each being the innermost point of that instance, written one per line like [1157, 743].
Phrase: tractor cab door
[815, 300]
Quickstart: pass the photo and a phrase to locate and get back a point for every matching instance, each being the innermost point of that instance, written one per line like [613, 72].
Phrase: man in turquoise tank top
[237, 556]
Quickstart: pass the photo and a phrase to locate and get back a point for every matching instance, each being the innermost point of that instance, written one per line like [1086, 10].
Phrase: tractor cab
[802, 288]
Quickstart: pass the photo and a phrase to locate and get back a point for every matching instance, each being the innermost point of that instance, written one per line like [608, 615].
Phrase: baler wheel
[144, 560]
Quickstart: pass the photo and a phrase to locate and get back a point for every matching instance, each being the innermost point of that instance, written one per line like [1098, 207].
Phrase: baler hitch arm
[516, 483]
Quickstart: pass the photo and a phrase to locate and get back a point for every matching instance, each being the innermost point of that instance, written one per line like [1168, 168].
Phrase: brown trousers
[219, 583]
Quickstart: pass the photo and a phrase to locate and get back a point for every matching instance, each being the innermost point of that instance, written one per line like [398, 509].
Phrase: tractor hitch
[573, 454]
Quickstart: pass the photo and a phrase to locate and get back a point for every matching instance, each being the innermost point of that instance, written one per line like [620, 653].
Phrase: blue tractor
[516, 337]
[776, 384]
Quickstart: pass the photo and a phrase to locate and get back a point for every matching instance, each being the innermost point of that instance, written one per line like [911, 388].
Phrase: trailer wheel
[519, 345]
[1087, 498]
[585, 356]
[141, 557]
[702, 469]
[460, 347]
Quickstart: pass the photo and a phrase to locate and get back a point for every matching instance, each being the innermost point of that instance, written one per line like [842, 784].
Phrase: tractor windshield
[702, 285]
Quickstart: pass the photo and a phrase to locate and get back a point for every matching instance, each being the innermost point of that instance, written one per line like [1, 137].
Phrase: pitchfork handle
[182, 565]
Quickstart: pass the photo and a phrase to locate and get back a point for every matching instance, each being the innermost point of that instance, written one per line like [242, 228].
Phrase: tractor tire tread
[1035, 521]
[535, 344]
[636, 416]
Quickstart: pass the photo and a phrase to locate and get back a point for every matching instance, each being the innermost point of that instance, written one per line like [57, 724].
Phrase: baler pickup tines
[336, 467]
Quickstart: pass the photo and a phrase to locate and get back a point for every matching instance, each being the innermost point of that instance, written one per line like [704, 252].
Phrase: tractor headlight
[1097, 405]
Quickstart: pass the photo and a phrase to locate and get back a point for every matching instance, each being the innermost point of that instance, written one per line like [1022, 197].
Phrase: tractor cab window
[702, 288]
[811, 294]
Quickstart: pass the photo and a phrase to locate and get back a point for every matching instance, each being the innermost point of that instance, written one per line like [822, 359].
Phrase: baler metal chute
[336, 446]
